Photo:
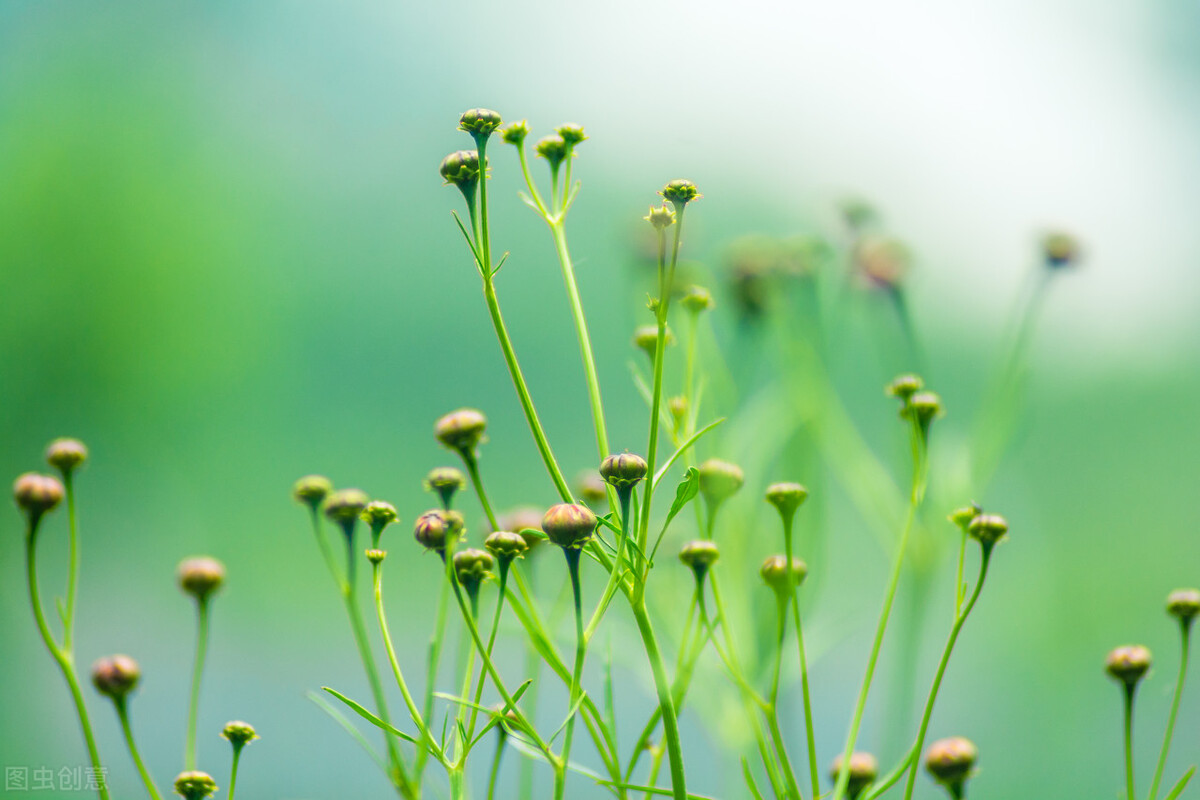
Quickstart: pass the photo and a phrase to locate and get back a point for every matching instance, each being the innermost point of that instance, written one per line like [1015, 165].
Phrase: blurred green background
[227, 260]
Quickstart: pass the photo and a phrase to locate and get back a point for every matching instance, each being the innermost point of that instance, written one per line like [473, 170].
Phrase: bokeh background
[227, 260]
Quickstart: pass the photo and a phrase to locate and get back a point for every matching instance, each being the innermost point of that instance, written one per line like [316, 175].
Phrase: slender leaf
[1183, 782]
[574, 710]
[691, 440]
[371, 718]
[470, 242]
[749, 776]
[348, 726]
[687, 490]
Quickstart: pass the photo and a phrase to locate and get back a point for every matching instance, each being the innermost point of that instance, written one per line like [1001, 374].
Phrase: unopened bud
[661, 217]
[623, 470]
[36, 494]
[924, 408]
[696, 299]
[1184, 604]
[950, 761]
[446, 481]
[515, 132]
[571, 133]
[863, 771]
[461, 169]
[591, 488]
[569, 525]
[680, 192]
[376, 556]
[505, 545]
[344, 507]
[195, 785]
[431, 530]
[553, 148]
[719, 480]
[699, 555]
[461, 430]
[962, 517]
[678, 407]
[905, 386]
[882, 261]
[1060, 250]
[774, 572]
[200, 576]
[525, 518]
[646, 339]
[378, 515]
[471, 566]
[1128, 663]
[115, 676]
[480, 123]
[988, 529]
[787, 497]
[66, 454]
[311, 490]
[239, 734]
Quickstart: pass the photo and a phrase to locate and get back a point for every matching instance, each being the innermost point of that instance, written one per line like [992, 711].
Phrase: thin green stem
[503, 569]
[472, 465]
[1129, 790]
[772, 709]
[237, 756]
[431, 669]
[1185, 634]
[189, 751]
[959, 593]
[468, 677]
[941, 668]
[572, 556]
[73, 565]
[326, 551]
[810, 737]
[624, 496]
[494, 772]
[665, 701]
[127, 729]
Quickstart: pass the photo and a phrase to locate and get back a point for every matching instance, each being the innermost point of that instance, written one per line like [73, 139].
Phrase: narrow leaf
[470, 243]
[1183, 782]
[749, 776]
[348, 726]
[687, 490]
[369, 717]
[574, 710]
[691, 440]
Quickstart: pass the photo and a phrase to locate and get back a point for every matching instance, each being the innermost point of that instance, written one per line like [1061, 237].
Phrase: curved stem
[941, 669]
[189, 751]
[1185, 631]
[127, 729]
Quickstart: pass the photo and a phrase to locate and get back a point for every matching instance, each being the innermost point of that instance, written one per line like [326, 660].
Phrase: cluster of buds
[917, 404]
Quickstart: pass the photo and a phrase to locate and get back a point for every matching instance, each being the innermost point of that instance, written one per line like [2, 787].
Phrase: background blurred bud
[700, 555]
[858, 214]
[571, 133]
[678, 406]
[66, 454]
[569, 525]
[552, 148]
[962, 516]
[1184, 604]
[1128, 663]
[345, 506]
[787, 497]
[591, 488]
[661, 217]
[988, 528]
[774, 572]
[1060, 249]
[312, 489]
[863, 771]
[521, 519]
[36, 494]
[924, 407]
[200, 576]
[881, 261]
[905, 386]
[446, 481]
[719, 480]
[195, 785]
[696, 299]
[949, 761]
[623, 470]
[515, 132]
[645, 338]
[461, 430]
[378, 515]
[115, 676]
[239, 733]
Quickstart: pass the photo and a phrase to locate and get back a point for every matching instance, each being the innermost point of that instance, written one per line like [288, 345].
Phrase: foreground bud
[431, 530]
[311, 490]
[461, 430]
[461, 169]
[553, 148]
[201, 576]
[36, 494]
[480, 123]
[505, 546]
[195, 785]
[988, 529]
[471, 566]
[1128, 664]
[699, 555]
[569, 525]
[774, 572]
[680, 192]
[623, 470]
[719, 480]
[1184, 604]
[949, 761]
[863, 771]
[446, 481]
[571, 133]
[378, 515]
[66, 454]
[905, 386]
[787, 497]
[239, 734]
[515, 132]
[115, 676]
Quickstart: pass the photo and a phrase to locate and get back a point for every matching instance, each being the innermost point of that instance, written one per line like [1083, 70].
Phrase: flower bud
[699, 555]
[569, 525]
[446, 481]
[787, 497]
[461, 169]
[200, 576]
[480, 123]
[1060, 250]
[905, 386]
[696, 299]
[311, 490]
[515, 132]
[988, 528]
[461, 430]
[661, 217]
[1184, 604]
[115, 676]
[378, 515]
[431, 530]
[949, 761]
[36, 494]
[571, 133]
[505, 545]
[623, 470]
[195, 785]
[719, 480]
[591, 488]
[66, 454]
[962, 517]
[774, 572]
[1128, 663]
[678, 406]
[376, 556]
[239, 734]
[522, 519]
[680, 192]
[924, 407]
[645, 338]
[553, 148]
[471, 566]
[863, 771]
[345, 506]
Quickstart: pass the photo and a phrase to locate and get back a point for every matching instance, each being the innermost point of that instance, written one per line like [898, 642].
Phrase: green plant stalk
[665, 701]
[772, 706]
[941, 668]
[189, 752]
[810, 737]
[468, 677]
[1185, 634]
[435, 657]
[62, 656]
[472, 465]
[237, 756]
[678, 691]
[127, 730]
[1129, 790]
[494, 772]
[73, 564]
[503, 568]
[572, 556]
[624, 496]
[959, 594]
[532, 670]
[918, 492]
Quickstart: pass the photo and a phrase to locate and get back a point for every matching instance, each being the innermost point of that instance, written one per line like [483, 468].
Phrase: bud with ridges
[461, 430]
[950, 761]
[719, 480]
[623, 471]
[774, 572]
[471, 567]
[239, 734]
[195, 785]
[36, 494]
[571, 133]
[311, 490]
[591, 488]
[988, 529]
[905, 386]
[505, 546]
[1128, 664]
[962, 517]
[553, 148]
[446, 481]
[66, 455]
[787, 497]
[431, 530]
[660, 218]
[863, 771]
[378, 515]
[200, 576]
[461, 168]
[699, 555]
[115, 676]
[376, 556]
[1184, 604]
[680, 192]
[569, 525]
[514, 133]
[480, 123]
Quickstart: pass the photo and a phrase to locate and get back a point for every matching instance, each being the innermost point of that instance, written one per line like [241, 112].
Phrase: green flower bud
[195, 785]
[1060, 250]
[515, 132]
[36, 494]
[553, 148]
[115, 676]
[311, 490]
[461, 430]
[678, 407]
[646, 338]
[505, 545]
[787, 497]
[696, 299]
[962, 517]
[949, 761]
[882, 261]
[239, 734]
[1128, 664]
[905, 386]
[863, 771]
[569, 525]
[431, 530]
[661, 217]
[456, 523]
[480, 123]
[344, 507]
[680, 192]
[591, 488]
[623, 470]
[699, 555]
[66, 454]
[200, 576]
[719, 480]
[471, 566]
[924, 407]
[461, 168]
[446, 481]
[378, 515]
[774, 572]
[1184, 604]
[571, 133]
[375, 555]
[988, 529]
